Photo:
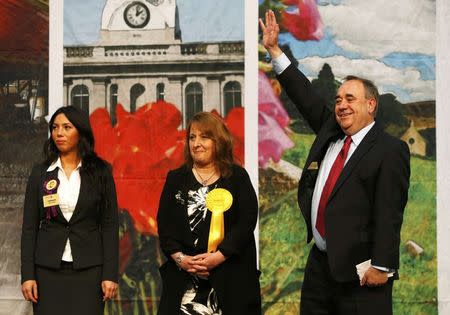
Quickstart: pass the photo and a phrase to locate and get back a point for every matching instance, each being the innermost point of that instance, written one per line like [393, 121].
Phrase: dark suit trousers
[321, 294]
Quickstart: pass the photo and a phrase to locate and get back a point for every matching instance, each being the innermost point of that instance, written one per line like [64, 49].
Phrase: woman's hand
[188, 263]
[199, 265]
[29, 290]
[109, 289]
[208, 261]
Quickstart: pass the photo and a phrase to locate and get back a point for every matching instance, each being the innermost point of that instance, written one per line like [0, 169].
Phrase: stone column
[67, 84]
[213, 94]
[174, 93]
[99, 93]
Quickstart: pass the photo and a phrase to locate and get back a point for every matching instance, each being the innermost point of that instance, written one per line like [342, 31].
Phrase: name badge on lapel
[313, 166]
[50, 198]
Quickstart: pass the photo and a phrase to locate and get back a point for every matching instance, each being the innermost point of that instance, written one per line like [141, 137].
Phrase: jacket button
[67, 227]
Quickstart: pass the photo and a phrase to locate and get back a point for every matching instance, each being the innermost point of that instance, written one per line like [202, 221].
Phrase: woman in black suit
[197, 280]
[70, 223]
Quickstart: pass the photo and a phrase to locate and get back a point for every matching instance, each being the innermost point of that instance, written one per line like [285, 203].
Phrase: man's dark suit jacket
[364, 213]
[92, 230]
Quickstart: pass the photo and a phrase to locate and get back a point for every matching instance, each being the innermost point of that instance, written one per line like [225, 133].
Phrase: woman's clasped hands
[200, 265]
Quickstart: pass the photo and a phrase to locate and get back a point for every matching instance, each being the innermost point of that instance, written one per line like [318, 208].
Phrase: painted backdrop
[23, 104]
[391, 43]
[142, 69]
[140, 88]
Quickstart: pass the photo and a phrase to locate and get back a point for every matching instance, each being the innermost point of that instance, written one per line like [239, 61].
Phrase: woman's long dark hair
[91, 164]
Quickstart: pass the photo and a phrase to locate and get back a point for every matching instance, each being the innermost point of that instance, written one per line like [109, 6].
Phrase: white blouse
[68, 191]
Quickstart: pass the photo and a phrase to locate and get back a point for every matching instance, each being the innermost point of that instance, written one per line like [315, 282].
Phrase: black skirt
[68, 291]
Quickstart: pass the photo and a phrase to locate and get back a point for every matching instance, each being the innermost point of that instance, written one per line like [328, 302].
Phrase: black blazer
[235, 280]
[365, 211]
[92, 230]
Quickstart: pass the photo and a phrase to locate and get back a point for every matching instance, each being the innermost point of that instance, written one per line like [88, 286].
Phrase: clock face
[155, 2]
[136, 14]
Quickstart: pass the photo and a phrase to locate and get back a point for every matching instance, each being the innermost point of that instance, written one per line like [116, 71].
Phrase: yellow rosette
[218, 201]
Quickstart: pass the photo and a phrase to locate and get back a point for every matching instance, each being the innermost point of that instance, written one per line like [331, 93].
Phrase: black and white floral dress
[199, 298]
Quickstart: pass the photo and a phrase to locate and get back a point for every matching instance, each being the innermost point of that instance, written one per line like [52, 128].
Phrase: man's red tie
[335, 171]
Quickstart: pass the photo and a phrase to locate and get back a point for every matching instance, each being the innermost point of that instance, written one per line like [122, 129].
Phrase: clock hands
[138, 12]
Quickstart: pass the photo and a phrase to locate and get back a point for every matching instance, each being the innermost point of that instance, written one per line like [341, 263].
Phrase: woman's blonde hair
[213, 127]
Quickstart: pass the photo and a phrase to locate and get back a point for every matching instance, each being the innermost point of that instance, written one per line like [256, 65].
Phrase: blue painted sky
[391, 43]
[326, 47]
[426, 64]
[211, 20]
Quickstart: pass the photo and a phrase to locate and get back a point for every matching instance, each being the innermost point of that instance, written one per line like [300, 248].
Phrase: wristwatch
[179, 259]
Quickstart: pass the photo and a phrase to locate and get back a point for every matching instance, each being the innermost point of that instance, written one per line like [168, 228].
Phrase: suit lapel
[311, 170]
[47, 176]
[183, 208]
[320, 146]
[365, 145]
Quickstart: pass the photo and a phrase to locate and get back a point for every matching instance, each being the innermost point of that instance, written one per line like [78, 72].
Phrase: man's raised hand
[270, 34]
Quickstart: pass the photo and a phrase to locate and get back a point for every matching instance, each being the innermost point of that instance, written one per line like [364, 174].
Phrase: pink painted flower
[269, 103]
[272, 121]
[304, 23]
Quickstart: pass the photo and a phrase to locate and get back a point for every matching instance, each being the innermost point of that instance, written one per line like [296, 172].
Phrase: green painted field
[283, 251]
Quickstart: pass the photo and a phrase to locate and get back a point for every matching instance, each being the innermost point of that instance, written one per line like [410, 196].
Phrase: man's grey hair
[370, 89]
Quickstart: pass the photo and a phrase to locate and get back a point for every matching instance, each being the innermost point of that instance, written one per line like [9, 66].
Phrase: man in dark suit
[352, 193]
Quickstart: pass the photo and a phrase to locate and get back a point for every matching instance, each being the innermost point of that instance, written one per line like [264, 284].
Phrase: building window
[194, 100]
[232, 96]
[160, 92]
[136, 91]
[80, 97]
[113, 90]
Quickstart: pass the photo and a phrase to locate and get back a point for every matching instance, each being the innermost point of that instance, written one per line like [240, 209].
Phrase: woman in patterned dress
[195, 281]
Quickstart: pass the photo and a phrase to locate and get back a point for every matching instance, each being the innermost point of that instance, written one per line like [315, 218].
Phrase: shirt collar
[359, 136]
[57, 164]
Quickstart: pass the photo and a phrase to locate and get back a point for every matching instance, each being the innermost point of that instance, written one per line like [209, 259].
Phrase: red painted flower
[142, 147]
[304, 23]
[23, 33]
[105, 136]
[291, 2]
[235, 123]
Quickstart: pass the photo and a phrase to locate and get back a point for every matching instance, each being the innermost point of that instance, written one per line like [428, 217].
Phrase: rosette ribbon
[218, 201]
[51, 198]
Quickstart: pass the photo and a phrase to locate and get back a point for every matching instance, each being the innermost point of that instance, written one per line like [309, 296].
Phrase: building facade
[141, 58]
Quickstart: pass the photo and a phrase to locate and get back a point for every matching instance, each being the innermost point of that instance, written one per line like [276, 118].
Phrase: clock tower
[147, 22]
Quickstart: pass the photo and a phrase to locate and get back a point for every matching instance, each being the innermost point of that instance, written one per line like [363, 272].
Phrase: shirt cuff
[384, 269]
[280, 63]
